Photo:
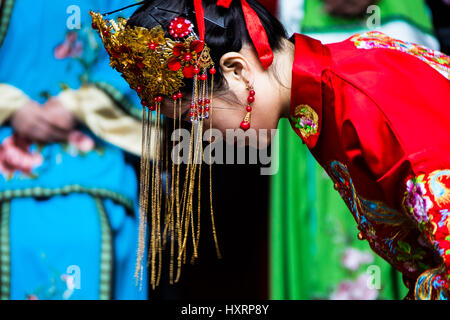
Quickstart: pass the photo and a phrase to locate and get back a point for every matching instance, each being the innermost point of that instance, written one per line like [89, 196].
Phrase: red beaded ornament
[180, 27]
[245, 125]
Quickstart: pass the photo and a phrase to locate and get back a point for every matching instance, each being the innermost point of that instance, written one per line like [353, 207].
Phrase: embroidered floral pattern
[80, 143]
[306, 120]
[427, 199]
[437, 60]
[389, 232]
[16, 156]
[362, 209]
[437, 228]
[430, 285]
[58, 286]
[416, 202]
[70, 48]
[439, 187]
[81, 48]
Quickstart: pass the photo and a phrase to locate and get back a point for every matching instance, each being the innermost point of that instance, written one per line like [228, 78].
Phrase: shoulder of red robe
[312, 58]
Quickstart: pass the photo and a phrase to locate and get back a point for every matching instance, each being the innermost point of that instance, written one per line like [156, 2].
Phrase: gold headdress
[155, 66]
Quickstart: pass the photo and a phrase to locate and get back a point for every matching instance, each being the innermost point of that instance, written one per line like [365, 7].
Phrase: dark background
[441, 19]
[241, 214]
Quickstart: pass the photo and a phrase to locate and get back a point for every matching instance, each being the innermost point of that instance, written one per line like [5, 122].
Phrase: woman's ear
[236, 67]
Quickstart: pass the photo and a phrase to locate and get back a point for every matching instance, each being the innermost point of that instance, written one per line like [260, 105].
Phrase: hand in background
[50, 123]
[348, 8]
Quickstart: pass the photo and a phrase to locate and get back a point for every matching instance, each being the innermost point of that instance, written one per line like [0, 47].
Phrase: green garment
[311, 229]
[415, 12]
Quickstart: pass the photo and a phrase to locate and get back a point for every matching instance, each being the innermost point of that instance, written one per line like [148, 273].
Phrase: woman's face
[229, 106]
[228, 111]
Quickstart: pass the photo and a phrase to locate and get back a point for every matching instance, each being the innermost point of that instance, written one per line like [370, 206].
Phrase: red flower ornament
[186, 58]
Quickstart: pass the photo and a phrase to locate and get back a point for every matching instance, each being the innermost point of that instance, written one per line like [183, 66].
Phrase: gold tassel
[213, 222]
[181, 202]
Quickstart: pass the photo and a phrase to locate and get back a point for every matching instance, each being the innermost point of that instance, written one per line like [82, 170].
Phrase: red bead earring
[245, 125]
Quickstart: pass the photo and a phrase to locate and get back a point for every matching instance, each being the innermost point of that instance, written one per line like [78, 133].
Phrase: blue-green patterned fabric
[68, 221]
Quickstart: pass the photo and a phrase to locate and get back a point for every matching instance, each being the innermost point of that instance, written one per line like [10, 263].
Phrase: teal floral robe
[68, 212]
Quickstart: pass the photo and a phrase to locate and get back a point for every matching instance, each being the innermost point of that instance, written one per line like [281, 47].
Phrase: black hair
[227, 33]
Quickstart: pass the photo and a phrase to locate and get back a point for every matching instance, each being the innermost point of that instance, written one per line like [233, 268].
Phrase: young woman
[372, 110]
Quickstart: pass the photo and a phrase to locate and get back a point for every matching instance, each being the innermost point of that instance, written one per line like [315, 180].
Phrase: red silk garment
[200, 16]
[374, 111]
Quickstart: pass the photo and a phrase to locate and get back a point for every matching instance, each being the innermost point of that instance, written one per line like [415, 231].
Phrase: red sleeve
[415, 184]
[368, 139]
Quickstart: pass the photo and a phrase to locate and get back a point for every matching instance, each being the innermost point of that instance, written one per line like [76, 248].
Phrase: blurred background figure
[337, 20]
[314, 250]
[441, 19]
[68, 204]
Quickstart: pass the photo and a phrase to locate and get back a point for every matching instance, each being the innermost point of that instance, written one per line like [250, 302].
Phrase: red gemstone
[144, 103]
[152, 108]
[180, 95]
[249, 109]
[245, 125]
[188, 71]
[252, 93]
[191, 114]
[175, 97]
[251, 99]
[187, 57]
[204, 77]
[140, 65]
[207, 101]
[160, 99]
[105, 33]
[192, 106]
[196, 70]
[213, 71]
[155, 99]
[139, 89]
[207, 109]
[152, 46]
[94, 26]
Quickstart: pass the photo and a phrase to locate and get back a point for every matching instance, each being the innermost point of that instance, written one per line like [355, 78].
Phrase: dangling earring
[245, 125]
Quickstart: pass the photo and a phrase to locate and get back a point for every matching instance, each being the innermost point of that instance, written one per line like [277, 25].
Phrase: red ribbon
[224, 3]
[256, 31]
[200, 15]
